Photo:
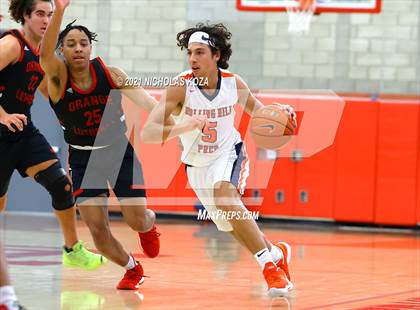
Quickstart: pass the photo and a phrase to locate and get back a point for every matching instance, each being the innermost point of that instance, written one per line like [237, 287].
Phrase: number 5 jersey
[202, 148]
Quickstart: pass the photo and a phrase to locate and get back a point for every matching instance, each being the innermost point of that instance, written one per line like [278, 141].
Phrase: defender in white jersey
[202, 102]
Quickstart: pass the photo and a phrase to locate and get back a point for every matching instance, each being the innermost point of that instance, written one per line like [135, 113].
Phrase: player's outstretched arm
[137, 94]
[53, 66]
[159, 128]
[252, 104]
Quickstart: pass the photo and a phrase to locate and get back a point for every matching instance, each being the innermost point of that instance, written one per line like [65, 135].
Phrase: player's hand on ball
[290, 110]
[13, 121]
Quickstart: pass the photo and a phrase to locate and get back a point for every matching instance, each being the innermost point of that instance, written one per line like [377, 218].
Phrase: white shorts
[232, 167]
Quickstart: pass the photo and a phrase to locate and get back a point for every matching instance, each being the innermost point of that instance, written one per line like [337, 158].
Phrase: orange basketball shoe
[150, 243]
[287, 255]
[132, 278]
[277, 282]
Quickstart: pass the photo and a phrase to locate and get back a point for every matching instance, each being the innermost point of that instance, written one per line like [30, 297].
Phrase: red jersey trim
[107, 73]
[65, 85]
[227, 74]
[187, 76]
[35, 51]
[91, 88]
[22, 51]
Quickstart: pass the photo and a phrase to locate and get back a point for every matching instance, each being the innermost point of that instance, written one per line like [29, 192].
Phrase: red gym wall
[370, 174]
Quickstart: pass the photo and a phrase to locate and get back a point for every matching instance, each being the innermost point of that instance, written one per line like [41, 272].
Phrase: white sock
[263, 257]
[131, 263]
[7, 295]
[276, 253]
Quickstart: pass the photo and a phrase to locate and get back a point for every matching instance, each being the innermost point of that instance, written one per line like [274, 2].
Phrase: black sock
[68, 250]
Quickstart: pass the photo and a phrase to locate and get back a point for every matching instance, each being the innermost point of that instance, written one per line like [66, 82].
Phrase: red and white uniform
[203, 148]
[217, 153]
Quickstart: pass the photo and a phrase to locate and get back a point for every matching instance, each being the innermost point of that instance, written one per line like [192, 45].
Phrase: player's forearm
[141, 98]
[155, 133]
[149, 102]
[252, 105]
[50, 39]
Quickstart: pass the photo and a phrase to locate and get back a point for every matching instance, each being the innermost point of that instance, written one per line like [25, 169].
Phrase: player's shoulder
[11, 49]
[9, 42]
[240, 83]
[226, 73]
[176, 91]
[116, 72]
[116, 76]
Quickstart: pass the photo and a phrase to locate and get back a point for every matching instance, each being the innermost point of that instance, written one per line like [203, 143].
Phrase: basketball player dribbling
[85, 95]
[214, 154]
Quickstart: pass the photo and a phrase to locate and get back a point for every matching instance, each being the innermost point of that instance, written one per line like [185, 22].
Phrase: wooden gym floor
[201, 268]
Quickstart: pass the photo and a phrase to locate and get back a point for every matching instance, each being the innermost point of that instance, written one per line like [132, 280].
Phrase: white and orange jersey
[201, 148]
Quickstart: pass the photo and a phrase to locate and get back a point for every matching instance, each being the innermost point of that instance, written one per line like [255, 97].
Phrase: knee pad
[54, 179]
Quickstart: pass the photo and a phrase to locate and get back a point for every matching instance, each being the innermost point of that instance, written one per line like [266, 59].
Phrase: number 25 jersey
[86, 115]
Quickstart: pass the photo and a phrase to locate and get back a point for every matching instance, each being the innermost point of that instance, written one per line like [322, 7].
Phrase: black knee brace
[56, 182]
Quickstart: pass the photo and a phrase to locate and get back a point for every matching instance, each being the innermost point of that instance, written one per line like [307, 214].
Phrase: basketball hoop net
[300, 14]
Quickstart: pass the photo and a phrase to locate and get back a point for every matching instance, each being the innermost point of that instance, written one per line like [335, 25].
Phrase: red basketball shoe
[287, 255]
[150, 243]
[132, 278]
[277, 282]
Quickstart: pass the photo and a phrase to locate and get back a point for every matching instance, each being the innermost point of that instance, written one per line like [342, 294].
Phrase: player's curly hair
[19, 8]
[219, 36]
[91, 35]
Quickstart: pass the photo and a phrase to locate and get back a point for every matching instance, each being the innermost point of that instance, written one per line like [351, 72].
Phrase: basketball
[271, 127]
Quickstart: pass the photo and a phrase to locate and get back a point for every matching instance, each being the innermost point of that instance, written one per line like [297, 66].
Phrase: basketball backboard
[331, 6]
